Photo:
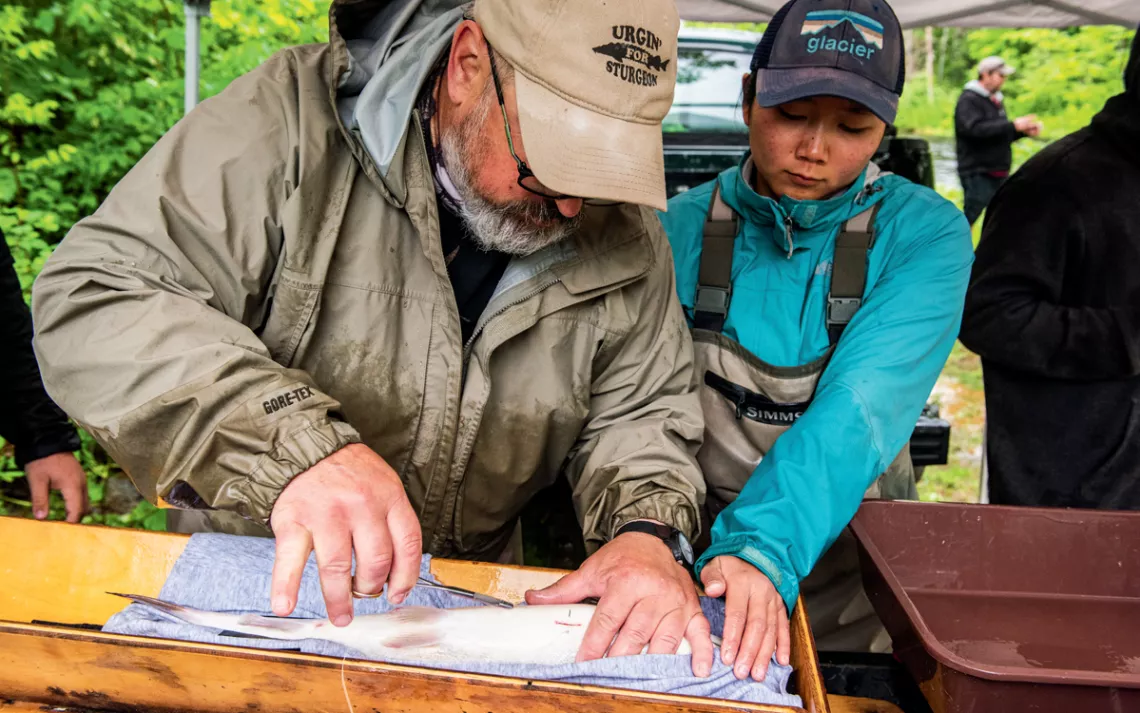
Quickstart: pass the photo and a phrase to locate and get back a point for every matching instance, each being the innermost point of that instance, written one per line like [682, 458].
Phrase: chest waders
[749, 403]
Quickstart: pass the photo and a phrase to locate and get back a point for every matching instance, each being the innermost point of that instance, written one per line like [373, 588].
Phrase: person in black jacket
[985, 136]
[1053, 309]
[43, 437]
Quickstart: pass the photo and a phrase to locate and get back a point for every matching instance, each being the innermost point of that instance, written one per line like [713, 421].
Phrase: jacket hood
[386, 48]
[1119, 121]
[815, 217]
[976, 87]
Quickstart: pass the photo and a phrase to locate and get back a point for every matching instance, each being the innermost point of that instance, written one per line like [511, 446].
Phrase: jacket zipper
[459, 465]
[482, 326]
[789, 227]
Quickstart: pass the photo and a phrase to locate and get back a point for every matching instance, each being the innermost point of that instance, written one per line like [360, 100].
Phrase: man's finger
[639, 627]
[333, 546]
[783, 637]
[40, 487]
[571, 589]
[735, 615]
[669, 634]
[767, 644]
[406, 539]
[292, 551]
[74, 493]
[611, 613]
[755, 626]
[700, 641]
[713, 580]
[373, 548]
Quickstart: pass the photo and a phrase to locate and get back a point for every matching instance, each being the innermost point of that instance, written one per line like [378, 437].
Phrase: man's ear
[469, 65]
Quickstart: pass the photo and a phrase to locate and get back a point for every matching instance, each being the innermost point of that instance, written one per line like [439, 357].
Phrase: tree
[86, 87]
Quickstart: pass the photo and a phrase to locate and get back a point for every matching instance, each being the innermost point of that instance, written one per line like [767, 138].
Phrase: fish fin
[413, 639]
[416, 615]
[263, 626]
[186, 614]
[414, 627]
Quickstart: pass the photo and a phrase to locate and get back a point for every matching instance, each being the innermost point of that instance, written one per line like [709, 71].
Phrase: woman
[825, 298]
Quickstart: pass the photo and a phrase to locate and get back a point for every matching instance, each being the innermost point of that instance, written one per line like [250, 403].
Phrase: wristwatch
[675, 539]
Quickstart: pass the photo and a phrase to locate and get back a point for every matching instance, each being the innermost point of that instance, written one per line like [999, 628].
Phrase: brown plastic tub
[1008, 609]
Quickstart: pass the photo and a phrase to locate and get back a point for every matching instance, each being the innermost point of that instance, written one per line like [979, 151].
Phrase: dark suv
[704, 133]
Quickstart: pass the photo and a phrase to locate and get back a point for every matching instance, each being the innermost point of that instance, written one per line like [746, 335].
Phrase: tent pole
[929, 64]
[195, 10]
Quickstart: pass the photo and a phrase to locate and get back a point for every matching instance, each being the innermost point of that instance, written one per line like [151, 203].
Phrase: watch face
[686, 548]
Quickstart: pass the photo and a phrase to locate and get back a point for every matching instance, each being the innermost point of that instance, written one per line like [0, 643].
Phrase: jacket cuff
[292, 456]
[748, 549]
[673, 510]
[65, 441]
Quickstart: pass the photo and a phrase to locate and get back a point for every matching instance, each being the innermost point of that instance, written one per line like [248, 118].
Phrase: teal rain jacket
[809, 486]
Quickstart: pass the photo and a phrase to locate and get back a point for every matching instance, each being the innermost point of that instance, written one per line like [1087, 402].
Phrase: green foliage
[87, 86]
[918, 115]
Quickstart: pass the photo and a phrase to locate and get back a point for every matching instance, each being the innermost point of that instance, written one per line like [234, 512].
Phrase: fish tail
[269, 627]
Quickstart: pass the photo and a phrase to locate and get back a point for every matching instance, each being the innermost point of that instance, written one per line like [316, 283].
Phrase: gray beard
[515, 228]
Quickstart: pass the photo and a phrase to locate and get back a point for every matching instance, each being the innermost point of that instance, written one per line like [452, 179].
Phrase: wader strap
[714, 280]
[849, 270]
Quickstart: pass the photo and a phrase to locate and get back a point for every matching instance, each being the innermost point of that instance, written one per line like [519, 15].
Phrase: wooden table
[59, 573]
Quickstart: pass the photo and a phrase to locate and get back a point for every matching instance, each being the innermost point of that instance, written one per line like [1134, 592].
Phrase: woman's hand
[755, 619]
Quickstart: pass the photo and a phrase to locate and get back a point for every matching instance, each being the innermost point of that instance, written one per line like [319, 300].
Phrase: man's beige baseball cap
[993, 62]
[594, 79]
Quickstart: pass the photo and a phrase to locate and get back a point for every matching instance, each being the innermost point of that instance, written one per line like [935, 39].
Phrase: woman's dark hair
[749, 89]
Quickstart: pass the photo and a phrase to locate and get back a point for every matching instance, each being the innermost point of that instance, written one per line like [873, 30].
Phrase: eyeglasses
[526, 179]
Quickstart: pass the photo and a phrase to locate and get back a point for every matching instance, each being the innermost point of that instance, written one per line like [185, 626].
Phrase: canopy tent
[946, 13]
[912, 13]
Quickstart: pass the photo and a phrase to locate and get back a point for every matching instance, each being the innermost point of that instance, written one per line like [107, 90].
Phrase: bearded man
[378, 293]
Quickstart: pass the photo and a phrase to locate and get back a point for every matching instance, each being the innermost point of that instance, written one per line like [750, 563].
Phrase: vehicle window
[707, 98]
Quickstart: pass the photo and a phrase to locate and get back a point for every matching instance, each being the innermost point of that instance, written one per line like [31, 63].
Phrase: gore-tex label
[287, 399]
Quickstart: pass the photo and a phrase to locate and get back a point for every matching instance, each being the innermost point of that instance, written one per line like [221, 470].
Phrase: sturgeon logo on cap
[817, 22]
[637, 45]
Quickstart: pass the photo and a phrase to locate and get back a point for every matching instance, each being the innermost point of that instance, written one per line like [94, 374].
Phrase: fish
[546, 634]
[622, 51]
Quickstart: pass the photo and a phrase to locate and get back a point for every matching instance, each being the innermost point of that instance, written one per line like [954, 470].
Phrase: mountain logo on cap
[820, 20]
[637, 45]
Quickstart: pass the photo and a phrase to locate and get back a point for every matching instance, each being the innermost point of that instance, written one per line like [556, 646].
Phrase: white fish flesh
[546, 634]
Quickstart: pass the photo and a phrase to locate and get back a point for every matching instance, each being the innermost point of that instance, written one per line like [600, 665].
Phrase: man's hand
[351, 500]
[645, 598]
[1027, 125]
[755, 619]
[57, 472]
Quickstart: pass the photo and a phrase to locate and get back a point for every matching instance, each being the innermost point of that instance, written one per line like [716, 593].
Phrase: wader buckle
[840, 310]
[713, 300]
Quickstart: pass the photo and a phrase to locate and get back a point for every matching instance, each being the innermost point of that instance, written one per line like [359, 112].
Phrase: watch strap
[650, 528]
[669, 535]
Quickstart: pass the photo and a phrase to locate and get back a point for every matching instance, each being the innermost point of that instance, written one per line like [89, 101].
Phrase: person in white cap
[985, 136]
[378, 293]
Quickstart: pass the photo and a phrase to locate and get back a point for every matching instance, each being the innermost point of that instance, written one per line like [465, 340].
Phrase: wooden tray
[54, 578]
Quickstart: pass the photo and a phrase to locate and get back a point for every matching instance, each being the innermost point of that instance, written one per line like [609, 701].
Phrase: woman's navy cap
[845, 48]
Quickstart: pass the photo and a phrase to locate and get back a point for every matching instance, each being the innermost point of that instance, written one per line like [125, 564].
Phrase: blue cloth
[232, 574]
[806, 490]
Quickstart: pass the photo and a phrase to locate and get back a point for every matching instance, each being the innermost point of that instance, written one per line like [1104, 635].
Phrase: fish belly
[541, 635]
